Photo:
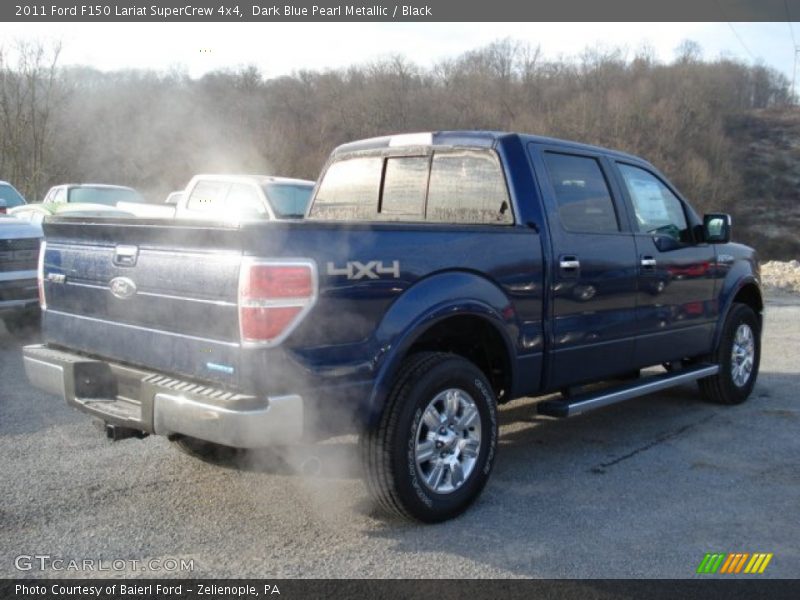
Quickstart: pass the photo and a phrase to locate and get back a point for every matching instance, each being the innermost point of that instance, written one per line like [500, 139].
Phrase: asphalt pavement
[640, 489]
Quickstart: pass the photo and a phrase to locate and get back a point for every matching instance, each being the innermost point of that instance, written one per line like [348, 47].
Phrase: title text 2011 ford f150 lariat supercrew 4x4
[436, 276]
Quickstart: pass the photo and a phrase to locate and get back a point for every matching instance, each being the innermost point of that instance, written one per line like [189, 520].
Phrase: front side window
[584, 200]
[657, 209]
[349, 190]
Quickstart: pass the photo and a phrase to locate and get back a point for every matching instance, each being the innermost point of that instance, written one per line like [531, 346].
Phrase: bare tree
[29, 97]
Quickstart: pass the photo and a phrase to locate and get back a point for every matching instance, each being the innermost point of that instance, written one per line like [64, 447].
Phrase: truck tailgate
[161, 296]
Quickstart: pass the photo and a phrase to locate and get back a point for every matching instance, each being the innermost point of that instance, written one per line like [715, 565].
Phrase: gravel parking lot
[641, 489]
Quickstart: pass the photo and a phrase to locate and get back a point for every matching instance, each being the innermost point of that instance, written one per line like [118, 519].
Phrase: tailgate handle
[125, 256]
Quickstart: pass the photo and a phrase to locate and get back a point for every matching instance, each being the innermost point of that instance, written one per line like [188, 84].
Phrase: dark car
[19, 253]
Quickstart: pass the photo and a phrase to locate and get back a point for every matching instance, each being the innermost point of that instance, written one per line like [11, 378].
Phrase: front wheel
[738, 356]
[434, 447]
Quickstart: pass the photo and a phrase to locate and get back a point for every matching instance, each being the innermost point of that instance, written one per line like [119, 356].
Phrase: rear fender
[430, 301]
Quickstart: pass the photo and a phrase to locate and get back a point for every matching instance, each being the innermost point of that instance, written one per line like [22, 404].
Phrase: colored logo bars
[735, 562]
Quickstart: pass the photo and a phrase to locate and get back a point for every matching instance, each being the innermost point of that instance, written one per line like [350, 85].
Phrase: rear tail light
[274, 296]
[40, 276]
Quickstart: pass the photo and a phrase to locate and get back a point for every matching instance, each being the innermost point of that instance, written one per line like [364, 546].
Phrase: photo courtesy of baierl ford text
[399, 300]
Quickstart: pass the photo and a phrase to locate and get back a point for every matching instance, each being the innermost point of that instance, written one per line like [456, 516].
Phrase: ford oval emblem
[122, 288]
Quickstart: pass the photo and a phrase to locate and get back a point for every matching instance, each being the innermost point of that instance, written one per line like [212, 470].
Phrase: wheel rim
[448, 441]
[742, 355]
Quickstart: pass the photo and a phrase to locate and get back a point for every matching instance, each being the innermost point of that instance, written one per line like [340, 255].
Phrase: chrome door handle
[648, 261]
[569, 264]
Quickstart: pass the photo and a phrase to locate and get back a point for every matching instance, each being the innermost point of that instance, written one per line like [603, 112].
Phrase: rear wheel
[434, 447]
[738, 356]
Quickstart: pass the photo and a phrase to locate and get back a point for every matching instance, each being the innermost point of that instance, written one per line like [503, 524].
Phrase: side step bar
[581, 403]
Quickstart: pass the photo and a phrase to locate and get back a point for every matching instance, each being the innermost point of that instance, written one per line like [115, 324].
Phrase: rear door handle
[648, 262]
[569, 265]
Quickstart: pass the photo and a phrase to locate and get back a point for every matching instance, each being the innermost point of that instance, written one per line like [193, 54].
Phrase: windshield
[289, 200]
[99, 195]
[11, 196]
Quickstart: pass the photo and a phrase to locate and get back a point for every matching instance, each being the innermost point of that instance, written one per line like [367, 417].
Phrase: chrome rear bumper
[155, 403]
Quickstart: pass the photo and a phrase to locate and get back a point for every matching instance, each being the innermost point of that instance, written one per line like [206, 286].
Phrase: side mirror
[717, 228]
[3, 206]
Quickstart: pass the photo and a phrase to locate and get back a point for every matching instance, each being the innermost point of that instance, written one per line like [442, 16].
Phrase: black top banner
[410, 10]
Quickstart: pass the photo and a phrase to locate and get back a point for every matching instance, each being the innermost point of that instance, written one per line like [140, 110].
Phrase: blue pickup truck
[436, 276]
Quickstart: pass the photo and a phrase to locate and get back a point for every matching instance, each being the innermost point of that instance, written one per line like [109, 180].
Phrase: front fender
[742, 273]
[428, 302]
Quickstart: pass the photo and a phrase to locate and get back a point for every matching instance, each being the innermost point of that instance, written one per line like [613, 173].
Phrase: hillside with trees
[727, 133]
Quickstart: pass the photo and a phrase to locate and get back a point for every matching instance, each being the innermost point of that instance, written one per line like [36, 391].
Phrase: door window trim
[552, 207]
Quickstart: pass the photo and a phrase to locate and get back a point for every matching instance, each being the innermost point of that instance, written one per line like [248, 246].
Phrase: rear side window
[349, 190]
[207, 196]
[584, 200]
[467, 187]
[461, 186]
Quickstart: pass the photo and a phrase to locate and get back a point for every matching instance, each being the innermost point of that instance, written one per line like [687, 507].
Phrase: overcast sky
[282, 48]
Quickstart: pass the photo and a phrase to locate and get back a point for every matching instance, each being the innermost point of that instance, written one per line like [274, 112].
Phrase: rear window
[243, 200]
[404, 188]
[11, 196]
[107, 196]
[349, 190]
[449, 186]
[289, 200]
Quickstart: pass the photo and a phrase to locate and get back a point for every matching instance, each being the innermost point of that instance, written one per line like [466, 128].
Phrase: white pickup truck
[241, 197]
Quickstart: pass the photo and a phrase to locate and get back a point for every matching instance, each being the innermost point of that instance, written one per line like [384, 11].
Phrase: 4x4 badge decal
[371, 270]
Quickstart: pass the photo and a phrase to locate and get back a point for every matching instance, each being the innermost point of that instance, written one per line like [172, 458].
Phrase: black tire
[721, 388]
[392, 475]
[207, 451]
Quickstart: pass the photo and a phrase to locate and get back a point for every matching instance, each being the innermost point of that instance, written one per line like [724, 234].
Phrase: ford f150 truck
[435, 277]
